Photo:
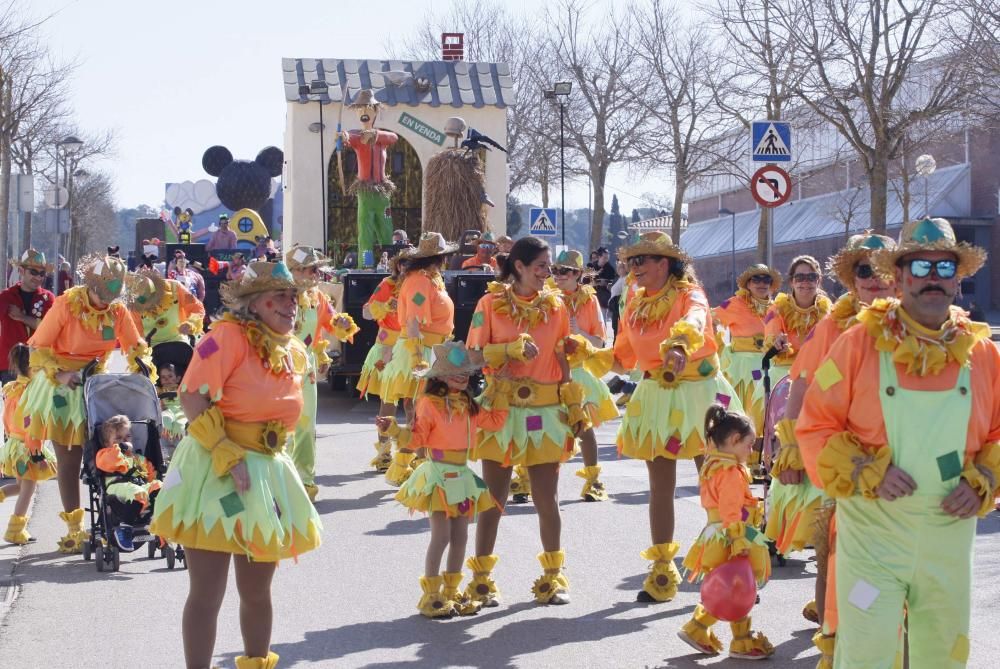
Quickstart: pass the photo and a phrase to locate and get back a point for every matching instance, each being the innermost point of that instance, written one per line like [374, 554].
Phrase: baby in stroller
[129, 478]
[171, 360]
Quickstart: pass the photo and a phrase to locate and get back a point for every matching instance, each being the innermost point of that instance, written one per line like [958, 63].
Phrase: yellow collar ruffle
[281, 354]
[799, 320]
[923, 351]
[95, 320]
[644, 311]
[758, 307]
[524, 312]
[578, 298]
[845, 310]
[16, 387]
[455, 404]
[716, 460]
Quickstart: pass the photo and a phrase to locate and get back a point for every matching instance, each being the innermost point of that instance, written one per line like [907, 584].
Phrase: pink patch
[383, 335]
[674, 445]
[744, 514]
[723, 399]
[27, 421]
[724, 304]
[437, 454]
[769, 317]
[533, 423]
[207, 348]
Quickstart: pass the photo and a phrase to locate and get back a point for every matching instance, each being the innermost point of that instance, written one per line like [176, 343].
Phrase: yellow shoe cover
[73, 541]
[17, 532]
[464, 605]
[593, 490]
[400, 469]
[811, 613]
[663, 579]
[312, 490]
[433, 604]
[482, 588]
[698, 633]
[552, 587]
[383, 456]
[747, 645]
[825, 644]
[520, 484]
[269, 662]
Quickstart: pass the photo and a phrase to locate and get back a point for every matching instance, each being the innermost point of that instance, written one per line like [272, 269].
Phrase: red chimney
[452, 46]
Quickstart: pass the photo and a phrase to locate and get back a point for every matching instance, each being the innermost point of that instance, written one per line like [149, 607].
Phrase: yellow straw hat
[258, 277]
[859, 247]
[654, 243]
[930, 234]
[756, 270]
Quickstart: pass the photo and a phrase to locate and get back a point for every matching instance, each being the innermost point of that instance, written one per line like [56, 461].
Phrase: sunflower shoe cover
[661, 583]
[825, 643]
[520, 485]
[400, 469]
[383, 456]
[17, 530]
[747, 645]
[552, 587]
[482, 587]
[593, 489]
[75, 535]
[464, 605]
[698, 633]
[810, 612]
[433, 603]
[269, 662]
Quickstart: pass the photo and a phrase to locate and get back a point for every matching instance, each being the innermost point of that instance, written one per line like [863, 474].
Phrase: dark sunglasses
[945, 269]
[36, 272]
[864, 271]
[765, 279]
[487, 247]
[636, 261]
[809, 277]
[563, 271]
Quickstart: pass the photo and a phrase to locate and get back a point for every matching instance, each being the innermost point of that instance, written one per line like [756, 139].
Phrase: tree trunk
[5, 96]
[878, 185]
[675, 216]
[597, 220]
[762, 237]
[543, 182]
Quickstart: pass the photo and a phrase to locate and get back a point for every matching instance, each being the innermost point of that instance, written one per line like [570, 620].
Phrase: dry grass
[453, 200]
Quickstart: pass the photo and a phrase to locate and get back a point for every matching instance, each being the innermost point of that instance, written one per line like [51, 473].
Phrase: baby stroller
[774, 410]
[174, 423]
[106, 395]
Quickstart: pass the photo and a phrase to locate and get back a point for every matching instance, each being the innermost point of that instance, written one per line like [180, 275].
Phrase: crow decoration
[477, 140]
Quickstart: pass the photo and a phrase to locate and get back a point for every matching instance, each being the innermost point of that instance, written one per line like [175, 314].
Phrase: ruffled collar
[716, 460]
[797, 319]
[308, 300]
[16, 387]
[758, 307]
[281, 354]
[435, 278]
[168, 299]
[923, 351]
[525, 312]
[455, 404]
[845, 310]
[578, 298]
[92, 318]
[644, 311]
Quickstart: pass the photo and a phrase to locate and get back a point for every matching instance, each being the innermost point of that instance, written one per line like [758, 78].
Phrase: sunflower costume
[160, 307]
[236, 366]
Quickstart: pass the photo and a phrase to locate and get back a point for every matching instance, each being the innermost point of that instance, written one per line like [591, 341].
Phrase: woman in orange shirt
[427, 316]
[520, 326]
[447, 418]
[85, 324]
[232, 493]
[666, 329]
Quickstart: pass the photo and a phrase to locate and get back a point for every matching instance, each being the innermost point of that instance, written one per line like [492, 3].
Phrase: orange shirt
[424, 297]
[587, 313]
[13, 420]
[386, 294]
[736, 315]
[845, 396]
[490, 327]
[814, 349]
[785, 317]
[727, 489]
[640, 345]
[228, 369]
[64, 333]
[435, 429]
[111, 460]
[476, 262]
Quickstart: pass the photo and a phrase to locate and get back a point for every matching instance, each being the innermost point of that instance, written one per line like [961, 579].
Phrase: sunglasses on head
[636, 261]
[765, 279]
[36, 272]
[864, 271]
[563, 271]
[944, 269]
[805, 277]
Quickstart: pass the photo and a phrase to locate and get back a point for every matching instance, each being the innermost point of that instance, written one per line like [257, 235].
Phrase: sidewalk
[10, 555]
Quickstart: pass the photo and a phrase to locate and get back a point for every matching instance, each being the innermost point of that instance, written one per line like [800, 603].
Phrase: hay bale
[453, 199]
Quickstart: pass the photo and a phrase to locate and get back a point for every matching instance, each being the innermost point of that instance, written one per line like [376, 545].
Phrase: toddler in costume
[131, 477]
[733, 514]
[28, 464]
[445, 424]
[174, 419]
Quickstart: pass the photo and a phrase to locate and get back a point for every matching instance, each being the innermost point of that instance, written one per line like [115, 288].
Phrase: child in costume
[447, 417]
[174, 420]
[130, 476]
[163, 309]
[27, 467]
[733, 515]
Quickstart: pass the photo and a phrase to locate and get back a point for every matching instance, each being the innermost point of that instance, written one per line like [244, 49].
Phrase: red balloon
[729, 591]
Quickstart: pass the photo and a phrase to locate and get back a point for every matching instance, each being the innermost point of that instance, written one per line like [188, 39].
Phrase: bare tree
[95, 222]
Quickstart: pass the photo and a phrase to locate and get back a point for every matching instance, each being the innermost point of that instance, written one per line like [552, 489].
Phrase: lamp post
[69, 145]
[727, 212]
[560, 92]
[925, 167]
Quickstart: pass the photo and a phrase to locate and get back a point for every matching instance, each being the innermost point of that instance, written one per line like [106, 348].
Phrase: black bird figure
[477, 140]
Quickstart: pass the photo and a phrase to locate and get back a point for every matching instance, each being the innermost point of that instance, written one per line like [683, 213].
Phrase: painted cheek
[269, 304]
[909, 281]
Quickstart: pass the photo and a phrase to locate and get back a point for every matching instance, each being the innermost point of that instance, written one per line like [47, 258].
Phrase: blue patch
[927, 232]
[281, 271]
[457, 357]
[873, 242]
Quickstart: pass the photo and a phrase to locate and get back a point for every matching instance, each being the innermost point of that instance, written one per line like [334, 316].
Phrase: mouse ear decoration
[215, 159]
[271, 159]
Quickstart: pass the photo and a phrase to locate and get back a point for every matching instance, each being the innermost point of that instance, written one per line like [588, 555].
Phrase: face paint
[269, 304]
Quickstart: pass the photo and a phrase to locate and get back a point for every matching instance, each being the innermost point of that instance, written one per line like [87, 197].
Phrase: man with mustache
[372, 187]
[902, 427]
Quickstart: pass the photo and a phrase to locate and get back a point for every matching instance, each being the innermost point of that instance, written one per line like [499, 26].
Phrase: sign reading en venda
[421, 129]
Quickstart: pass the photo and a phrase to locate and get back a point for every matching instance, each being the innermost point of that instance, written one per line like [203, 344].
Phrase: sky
[173, 78]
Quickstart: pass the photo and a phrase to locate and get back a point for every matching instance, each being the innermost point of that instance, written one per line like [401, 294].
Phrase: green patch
[115, 287]
[950, 465]
[751, 533]
[457, 357]
[22, 468]
[478, 319]
[108, 333]
[927, 232]
[231, 504]
[705, 368]
[419, 299]
[58, 401]
[873, 242]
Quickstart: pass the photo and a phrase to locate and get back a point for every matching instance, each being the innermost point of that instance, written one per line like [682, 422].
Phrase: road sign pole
[562, 176]
[769, 213]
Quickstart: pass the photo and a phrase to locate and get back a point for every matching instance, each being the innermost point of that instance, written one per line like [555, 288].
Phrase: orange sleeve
[491, 420]
[774, 324]
[731, 492]
[215, 358]
[127, 334]
[589, 318]
[191, 308]
[994, 415]
[813, 350]
[326, 314]
[51, 328]
[480, 330]
[424, 418]
[111, 460]
[623, 348]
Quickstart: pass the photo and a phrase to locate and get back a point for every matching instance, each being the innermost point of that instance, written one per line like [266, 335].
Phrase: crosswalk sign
[543, 222]
[772, 142]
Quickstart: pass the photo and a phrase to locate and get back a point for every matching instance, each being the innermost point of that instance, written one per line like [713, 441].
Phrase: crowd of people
[888, 448]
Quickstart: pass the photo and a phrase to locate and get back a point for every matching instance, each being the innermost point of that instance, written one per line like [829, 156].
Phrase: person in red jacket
[22, 306]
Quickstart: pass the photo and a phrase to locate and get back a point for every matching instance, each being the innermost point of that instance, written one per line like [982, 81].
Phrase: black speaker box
[358, 287]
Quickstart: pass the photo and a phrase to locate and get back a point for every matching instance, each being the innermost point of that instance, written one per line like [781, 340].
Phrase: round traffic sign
[771, 186]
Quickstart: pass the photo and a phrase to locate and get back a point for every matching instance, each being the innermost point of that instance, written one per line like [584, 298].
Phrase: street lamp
[560, 92]
[727, 212]
[70, 145]
[318, 88]
[925, 167]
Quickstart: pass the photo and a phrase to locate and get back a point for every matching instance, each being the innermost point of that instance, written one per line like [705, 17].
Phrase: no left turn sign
[771, 186]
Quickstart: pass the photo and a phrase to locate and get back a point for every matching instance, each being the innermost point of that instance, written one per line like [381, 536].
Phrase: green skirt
[370, 380]
[398, 381]
[530, 436]
[597, 399]
[54, 412]
[16, 461]
[451, 489]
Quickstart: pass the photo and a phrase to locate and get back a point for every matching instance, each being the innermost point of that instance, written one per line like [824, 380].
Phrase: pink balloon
[729, 591]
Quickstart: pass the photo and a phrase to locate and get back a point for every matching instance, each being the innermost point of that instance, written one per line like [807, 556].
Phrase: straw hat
[859, 247]
[431, 244]
[33, 259]
[453, 358]
[654, 243]
[757, 270]
[485, 238]
[930, 234]
[303, 257]
[258, 277]
[103, 274]
[144, 290]
[365, 98]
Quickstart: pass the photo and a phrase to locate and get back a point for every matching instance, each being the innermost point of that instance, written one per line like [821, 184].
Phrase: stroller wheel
[88, 550]
[99, 558]
[168, 552]
[114, 556]
[151, 548]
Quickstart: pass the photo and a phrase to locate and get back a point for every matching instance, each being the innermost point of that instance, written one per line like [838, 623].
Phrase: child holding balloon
[730, 554]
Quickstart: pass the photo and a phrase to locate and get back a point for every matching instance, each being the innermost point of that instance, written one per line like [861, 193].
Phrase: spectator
[617, 289]
[485, 248]
[186, 276]
[504, 244]
[131, 261]
[65, 277]
[223, 238]
[22, 306]
[606, 275]
[400, 237]
[235, 267]
[594, 255]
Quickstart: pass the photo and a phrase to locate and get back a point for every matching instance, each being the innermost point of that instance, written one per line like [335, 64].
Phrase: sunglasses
[563, 271]
[945, 269]
[36, 272]
[808, 277]
[636, 261]
[487, 247]
[864, 271]
[765, 279]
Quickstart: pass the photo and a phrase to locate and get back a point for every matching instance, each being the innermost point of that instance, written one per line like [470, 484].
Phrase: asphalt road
[352, 603]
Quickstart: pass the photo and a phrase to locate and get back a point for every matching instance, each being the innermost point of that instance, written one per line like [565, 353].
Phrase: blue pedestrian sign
[772, 142]
[543, 222]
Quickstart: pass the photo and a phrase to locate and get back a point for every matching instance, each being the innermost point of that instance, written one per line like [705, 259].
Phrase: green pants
[303, 451]
[374, 222]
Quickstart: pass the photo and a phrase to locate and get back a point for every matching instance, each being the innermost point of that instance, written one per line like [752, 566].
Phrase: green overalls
[303, 451]
[909, 551]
